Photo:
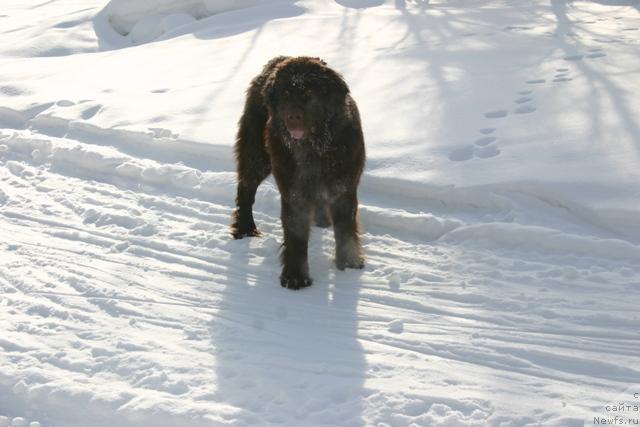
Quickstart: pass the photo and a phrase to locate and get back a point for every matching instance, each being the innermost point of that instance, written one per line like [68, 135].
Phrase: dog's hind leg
[344, 213]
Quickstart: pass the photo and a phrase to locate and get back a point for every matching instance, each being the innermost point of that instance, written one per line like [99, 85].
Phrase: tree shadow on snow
[288, 357]
[242, 20]
[601, 86]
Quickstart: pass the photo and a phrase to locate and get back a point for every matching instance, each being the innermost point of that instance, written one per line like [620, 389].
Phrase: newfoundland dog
[301, 124]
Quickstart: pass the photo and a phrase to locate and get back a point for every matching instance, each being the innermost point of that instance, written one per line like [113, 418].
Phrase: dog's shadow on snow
[288, 357]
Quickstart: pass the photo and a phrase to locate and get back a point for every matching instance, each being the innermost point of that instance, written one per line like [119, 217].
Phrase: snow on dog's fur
[301, 124]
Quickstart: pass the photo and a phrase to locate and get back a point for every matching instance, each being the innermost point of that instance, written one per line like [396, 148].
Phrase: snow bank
[424, 226]
[146, 20]
[541, 239]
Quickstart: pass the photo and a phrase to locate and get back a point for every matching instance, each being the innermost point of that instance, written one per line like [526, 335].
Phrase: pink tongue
[297, 133]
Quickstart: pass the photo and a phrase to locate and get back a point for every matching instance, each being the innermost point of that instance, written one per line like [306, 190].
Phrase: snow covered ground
[500, 209]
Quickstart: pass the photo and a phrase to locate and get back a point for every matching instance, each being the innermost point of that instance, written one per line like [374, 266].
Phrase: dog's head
[302, 94]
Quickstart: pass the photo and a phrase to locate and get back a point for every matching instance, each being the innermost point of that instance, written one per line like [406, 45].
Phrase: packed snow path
[126, 302]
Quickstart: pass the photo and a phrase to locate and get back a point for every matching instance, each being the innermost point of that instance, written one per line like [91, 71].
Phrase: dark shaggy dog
[300, 123]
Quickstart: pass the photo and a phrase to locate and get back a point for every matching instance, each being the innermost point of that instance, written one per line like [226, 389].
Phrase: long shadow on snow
[600, 84]
[288, 357]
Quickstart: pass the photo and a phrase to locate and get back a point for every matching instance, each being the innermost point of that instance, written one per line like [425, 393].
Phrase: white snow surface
[500, 208]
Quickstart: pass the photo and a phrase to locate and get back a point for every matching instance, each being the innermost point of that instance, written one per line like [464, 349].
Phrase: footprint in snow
[517, 27]
[461, 154]
[562, 75]
[523, 100]
[562, 78]
[91, 112]
[487, 152]
[525, 109]
[497, 114]
[484, 141]
[483, 148]
[594, 53]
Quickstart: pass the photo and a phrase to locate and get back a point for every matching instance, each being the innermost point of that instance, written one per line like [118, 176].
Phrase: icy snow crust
[500, 209]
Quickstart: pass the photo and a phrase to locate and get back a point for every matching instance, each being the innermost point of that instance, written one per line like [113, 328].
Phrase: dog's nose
[294, 113]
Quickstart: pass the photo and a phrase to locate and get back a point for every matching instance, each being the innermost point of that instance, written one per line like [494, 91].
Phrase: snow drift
[146, 20]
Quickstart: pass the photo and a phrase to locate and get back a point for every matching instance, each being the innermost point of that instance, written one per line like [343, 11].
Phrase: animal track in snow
[468, 152]
[523, 100]
[517, 27]
[592, 54]
[482, 148]
[65, 103]
[462, 154]
[485, 140]
[562, 78]
[90, 112]
[497, 114]
[10, 90]
[525, 109]
[487, 152]
[562, 75]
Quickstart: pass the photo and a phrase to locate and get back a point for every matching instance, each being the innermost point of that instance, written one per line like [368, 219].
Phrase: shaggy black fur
[301, 124]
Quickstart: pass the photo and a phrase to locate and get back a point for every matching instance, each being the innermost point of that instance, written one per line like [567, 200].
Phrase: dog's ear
[336, 86]
[336, 82]
[270, 71]
[269, 91]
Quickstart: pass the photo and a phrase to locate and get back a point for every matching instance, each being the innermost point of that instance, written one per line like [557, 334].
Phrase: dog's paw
[239, 234]
[356, 262]
[295, 281]
[242, 225]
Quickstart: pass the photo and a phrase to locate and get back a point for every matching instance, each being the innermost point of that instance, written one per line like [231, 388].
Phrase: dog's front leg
[296, 220]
